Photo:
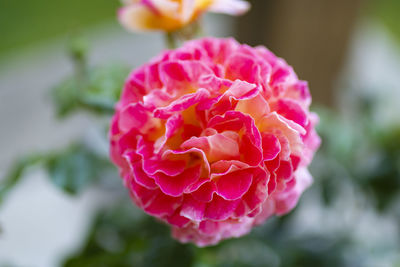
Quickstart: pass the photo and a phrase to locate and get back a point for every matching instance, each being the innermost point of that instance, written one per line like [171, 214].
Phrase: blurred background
[348, 50]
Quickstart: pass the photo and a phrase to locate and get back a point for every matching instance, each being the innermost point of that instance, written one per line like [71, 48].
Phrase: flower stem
[171, 40]
[78, 52]
[175, 38]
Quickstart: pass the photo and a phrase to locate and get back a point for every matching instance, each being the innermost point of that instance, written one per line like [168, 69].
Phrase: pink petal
[216, 147]
[165, 166]
[284, 171]
[274, 122]
[193, 209]
[258, 191]
[182, 103]
[220, 209]
[177, 75]
[251, 154]
[134, 116]
[233, 185]
[205, 192]
[299, 91]
[176, 185]
[271, 146]
[138, 174]
[177, 220]
[291, 110]
[219, 50]
[242, 90]
[286, 201]
[256, 107]
[134, 89]
[172, 127]
[155, 202]
[242, 67]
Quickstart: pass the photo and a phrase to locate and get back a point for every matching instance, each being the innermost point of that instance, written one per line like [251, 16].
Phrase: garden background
[349, 52]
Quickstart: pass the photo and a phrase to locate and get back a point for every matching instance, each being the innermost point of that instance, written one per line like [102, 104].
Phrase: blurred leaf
[97, 94]
[72, 169]
[123, 236]
[242, 252]
[78, 48]
[76, 168]
[383, 178]
[315, 251]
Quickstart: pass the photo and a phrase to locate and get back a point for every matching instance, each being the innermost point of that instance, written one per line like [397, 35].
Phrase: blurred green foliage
[71, 169]
[122, 236]
[94, 89]
[387, 11]
[77, 167]
[360, 149]
[89, 89]
[97, 92]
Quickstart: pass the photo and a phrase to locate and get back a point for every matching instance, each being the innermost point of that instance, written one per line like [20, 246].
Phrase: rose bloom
[171, 15]
[214, 138]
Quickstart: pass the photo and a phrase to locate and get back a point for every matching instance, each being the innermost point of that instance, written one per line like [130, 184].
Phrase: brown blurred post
[312, 35]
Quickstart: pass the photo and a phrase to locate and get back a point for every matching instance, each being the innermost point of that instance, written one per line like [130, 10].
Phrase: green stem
[78, 52]
[186, 33]
[171, 40]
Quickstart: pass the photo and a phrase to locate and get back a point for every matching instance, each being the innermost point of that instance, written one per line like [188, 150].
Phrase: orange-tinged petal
[139, 17]
[276, 122]
[171, 15]
[166, 8]
[203, 4]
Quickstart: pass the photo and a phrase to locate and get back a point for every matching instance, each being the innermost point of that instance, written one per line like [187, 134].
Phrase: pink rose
[213, 138]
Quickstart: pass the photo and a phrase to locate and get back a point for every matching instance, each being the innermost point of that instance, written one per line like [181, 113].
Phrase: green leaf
[76, 168]
[72, 169]
[97, 92]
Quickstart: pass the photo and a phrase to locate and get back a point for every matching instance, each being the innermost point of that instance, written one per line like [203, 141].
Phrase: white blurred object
[373, 70]
[41, 226]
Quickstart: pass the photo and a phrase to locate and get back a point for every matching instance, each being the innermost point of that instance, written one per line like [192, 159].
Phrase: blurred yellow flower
[171, 15]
